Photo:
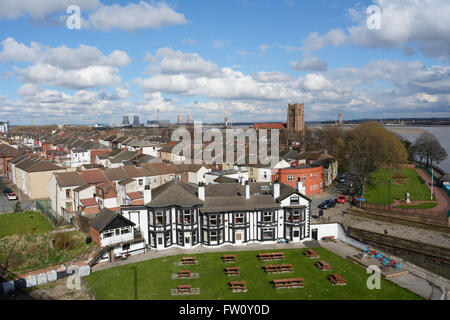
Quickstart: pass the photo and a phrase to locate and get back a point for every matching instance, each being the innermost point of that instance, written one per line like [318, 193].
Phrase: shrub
[63, 240]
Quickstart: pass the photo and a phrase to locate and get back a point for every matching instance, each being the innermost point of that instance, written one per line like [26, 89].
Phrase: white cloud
[12, 50]
[134, 16]
[316, 82]
[309, 63]
[78, 68]
[168, 61]
[88, 77]
[404, 24]
[275, 76]
[38, 10]
[155, 101]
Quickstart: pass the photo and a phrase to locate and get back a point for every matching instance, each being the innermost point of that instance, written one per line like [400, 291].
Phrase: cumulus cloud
[99, 16]
[134, 16]
[405, 24]
[275, 76]
[42, 9]
[12, 50]
[316, 82]
[78, 68]
[309, 63]
[88, 77]
[168, 61]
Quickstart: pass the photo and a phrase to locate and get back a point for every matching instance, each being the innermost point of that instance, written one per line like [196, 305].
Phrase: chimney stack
[247, 190]
[300, 187]
[147, 194]
[201, 191]
[276, 189]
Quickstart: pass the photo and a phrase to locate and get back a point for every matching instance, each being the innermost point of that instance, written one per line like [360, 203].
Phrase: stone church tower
[296, 118]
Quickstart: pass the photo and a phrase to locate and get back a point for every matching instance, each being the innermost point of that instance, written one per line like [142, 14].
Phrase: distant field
[378, 191]
[23, 223]
[152, 279]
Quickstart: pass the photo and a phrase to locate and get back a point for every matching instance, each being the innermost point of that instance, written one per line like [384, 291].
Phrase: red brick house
[311, 176]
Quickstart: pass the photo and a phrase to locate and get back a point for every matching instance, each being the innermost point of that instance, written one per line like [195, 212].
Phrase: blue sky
[247, 57]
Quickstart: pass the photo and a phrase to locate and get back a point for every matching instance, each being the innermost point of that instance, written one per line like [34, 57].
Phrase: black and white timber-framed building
[179, 214]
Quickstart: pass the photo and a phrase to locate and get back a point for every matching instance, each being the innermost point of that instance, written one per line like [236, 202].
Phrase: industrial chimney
[125, 121]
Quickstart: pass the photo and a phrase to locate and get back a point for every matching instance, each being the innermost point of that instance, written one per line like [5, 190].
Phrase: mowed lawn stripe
[154, 279]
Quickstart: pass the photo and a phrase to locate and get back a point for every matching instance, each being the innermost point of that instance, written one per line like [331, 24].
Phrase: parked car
[330, 203]
[10, 195]
[341, 199]
[342, 179]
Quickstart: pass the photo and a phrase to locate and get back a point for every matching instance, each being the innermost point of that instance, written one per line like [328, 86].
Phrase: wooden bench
[229, 258]
[328, 239]
[233, 271]
[337, 280]
[184, 288]
[310, 253]
[279, 268]
[288, 283]
[271, 256]
[237, 286]
[189, 260]
[184, 274]
[323, 266]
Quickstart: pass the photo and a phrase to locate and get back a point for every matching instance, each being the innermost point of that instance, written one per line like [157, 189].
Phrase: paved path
[441, 197]
[399, 230]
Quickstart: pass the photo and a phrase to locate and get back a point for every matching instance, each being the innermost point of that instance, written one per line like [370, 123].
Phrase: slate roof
[7, 151]
[176, 193]
[41, 166]
[93, 176]
[107, 219]
[115, 174]
[68, 179]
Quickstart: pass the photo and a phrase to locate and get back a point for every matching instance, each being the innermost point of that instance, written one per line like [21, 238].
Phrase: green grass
[36, 251]
[426, 205]
[378, 192]
[152, 279]
[23, 223]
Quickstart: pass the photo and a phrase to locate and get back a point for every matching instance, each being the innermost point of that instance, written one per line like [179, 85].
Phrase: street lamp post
[389, 191]
[431, 197]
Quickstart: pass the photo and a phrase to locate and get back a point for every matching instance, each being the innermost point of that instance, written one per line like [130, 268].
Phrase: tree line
[370, 146]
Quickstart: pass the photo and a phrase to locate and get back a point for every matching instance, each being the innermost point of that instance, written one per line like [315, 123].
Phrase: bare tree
[428, 147]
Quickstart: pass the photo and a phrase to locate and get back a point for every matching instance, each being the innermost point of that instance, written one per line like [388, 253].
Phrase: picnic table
[229, 258]
[184, 274]
[288, 283]
[322, 265]
[310, 253]
[328, 239]
[237, 286]
[233, 271]
[279, 268]
[271, 256]
[184, 288]
[337, 279]
[189, 260]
